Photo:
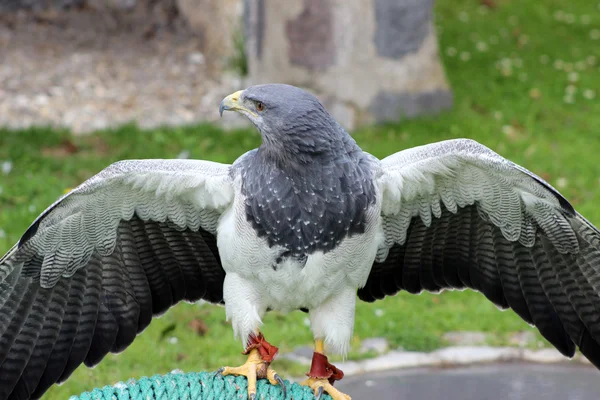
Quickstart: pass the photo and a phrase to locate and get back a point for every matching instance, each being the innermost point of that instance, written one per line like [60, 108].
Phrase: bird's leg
[260, 354]
[322, 375]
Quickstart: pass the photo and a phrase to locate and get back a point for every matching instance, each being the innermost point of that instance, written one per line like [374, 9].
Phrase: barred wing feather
[457, 215]
[97, 265]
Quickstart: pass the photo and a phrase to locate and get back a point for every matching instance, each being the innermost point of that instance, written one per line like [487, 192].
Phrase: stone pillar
[367, 60]
[216, 22]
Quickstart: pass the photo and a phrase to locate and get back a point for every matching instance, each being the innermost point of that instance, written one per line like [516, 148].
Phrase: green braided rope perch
[195, 386]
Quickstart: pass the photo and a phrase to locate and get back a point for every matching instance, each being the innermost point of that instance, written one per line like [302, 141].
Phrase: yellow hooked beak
[231, 102]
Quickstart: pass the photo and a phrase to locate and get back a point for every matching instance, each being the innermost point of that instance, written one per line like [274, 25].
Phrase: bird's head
[290, 120]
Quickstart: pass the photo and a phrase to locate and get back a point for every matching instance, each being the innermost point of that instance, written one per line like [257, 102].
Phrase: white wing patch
[459, 173]
[190, 194]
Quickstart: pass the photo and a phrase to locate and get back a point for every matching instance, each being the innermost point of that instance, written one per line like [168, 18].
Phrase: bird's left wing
[457, 215]
[92, 270]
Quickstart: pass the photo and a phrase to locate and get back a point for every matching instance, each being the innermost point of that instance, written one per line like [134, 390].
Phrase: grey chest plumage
[307, 208]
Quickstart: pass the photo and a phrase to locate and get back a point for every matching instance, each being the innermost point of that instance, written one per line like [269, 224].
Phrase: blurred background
[86, 83]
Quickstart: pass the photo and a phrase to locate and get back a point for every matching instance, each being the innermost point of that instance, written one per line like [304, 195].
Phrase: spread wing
[93, 269]
[456, 215]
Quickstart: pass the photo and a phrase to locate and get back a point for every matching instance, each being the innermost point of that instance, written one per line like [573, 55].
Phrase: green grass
[511, 97]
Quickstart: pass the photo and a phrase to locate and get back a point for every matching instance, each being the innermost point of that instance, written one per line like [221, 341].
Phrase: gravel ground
[88, 70]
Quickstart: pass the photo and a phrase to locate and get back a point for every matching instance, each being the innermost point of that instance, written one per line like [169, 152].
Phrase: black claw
[319, 393]
[252, 396]
[282, 384]
[219, 371]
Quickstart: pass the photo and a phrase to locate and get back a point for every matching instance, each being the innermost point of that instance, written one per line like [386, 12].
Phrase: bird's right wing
[92, 270]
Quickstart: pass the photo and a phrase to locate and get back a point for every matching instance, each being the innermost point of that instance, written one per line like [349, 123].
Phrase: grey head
[309, 185]
[292, 122]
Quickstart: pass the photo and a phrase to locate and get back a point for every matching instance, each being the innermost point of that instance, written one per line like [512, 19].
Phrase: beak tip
[230, 103]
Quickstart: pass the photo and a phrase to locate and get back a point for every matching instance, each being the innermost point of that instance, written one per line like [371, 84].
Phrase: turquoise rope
[196, 386]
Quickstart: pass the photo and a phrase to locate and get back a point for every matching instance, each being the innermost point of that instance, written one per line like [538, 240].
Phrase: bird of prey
[307, 221]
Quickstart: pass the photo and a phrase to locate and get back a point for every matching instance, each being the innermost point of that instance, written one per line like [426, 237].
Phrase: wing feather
[48, 335]
[455, 215]
[62, 348]
[97, 265]
[88, 318]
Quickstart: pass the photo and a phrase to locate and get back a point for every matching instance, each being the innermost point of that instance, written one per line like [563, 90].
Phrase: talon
[282, 384]
[252, 396]
[322, 385]
[219, 371]
[319, 393]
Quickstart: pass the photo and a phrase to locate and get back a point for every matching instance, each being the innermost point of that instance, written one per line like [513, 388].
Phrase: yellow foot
[322, 385]
[255, 368]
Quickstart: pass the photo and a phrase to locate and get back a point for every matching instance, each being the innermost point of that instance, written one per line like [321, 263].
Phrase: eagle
[307, 221]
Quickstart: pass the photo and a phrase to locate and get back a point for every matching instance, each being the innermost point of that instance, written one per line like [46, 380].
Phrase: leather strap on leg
[320, 368]
[266, 350]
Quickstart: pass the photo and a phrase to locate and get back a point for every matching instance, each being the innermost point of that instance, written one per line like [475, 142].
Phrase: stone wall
[368, 60]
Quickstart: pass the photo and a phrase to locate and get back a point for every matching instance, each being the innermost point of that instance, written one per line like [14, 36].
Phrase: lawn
[525, 77]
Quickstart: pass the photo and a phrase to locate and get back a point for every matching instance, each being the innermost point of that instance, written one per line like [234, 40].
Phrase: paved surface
[511, 381]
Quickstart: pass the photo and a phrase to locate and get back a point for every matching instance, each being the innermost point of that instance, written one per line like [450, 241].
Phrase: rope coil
[196, 386]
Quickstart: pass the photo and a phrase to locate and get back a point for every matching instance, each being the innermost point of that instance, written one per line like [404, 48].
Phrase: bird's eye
[260, 106]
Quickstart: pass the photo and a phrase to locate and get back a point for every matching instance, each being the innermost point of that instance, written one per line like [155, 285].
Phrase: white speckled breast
[291, 284]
